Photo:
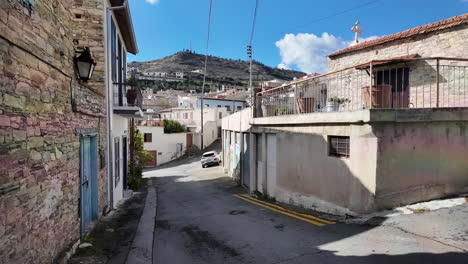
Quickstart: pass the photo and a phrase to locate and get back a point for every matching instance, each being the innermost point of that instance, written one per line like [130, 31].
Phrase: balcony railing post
[437, 83]
[370, 85]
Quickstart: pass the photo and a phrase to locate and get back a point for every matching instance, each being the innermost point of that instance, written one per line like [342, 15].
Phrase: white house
[191, 118]
[164, 147]
[179, 75]
[124, 101]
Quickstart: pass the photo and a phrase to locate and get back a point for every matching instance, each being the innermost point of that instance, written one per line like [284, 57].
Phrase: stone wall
[422, 92]
[39, 144]
[444, 43]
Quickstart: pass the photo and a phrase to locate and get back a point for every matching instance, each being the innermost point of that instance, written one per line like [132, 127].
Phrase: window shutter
[113, 52]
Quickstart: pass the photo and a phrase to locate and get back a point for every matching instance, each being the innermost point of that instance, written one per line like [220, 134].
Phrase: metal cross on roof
[357, 31]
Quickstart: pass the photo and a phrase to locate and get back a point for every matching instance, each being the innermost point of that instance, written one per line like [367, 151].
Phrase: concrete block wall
[39, 120]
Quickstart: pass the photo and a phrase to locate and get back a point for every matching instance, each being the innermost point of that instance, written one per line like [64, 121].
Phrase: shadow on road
[196, 224]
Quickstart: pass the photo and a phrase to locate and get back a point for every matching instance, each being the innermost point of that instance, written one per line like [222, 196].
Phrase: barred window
[148, 137]
[338, 146]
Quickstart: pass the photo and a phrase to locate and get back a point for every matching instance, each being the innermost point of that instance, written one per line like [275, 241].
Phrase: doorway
[88, 180]
[153, 162]
[125, 162]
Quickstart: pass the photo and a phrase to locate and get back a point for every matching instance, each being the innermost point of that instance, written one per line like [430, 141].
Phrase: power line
[249, 54]
[204, 71]
[254, 22]
[336, 14]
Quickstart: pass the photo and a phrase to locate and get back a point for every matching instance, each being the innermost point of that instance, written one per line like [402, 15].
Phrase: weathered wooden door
[88, 180]
[189, 140]
[154, 162]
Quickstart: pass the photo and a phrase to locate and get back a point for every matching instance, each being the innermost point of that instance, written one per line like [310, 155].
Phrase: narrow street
[199, 220]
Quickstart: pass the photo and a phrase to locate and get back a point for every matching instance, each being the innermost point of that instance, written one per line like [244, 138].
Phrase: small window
[219, 105]
[338, 146]
[239, 107]
[148, 137]
[220, 115]
[228, 107]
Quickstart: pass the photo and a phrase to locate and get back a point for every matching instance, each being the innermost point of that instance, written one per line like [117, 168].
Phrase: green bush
[136, 166]
[171, 126]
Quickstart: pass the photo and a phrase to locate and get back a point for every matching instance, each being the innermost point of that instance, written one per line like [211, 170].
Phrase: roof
[124, 21]
[223, 99]
[421, 30]
[387, 62]
[240, 96]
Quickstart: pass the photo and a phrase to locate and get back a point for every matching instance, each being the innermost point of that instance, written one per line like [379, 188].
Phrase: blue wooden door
[88, 180]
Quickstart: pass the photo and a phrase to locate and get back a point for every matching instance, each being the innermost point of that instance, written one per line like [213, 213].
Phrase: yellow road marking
[287, 210]
[279, 211]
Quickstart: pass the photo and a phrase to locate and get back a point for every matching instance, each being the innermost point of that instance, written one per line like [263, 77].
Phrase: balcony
[128, 100]
[401, 83]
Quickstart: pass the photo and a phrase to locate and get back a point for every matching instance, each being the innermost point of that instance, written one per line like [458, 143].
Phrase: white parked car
[210, 158]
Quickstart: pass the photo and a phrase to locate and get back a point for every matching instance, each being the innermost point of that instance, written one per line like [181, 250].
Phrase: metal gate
[88, 180]
[271, 164]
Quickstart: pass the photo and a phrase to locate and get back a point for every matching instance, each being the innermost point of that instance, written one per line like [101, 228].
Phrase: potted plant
[132, 92]
[131, 96]
[334, 103]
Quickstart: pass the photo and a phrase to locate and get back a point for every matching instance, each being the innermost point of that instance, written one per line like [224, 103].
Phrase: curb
[141, 251]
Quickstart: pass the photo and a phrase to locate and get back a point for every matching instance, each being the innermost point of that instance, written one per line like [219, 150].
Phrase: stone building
[54, 177]
[386, 126]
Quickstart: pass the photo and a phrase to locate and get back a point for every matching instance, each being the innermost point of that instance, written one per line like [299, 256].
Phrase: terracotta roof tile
[440, 25]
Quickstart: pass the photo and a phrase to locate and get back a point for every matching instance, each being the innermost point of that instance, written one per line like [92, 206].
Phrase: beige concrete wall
[307, 176]
[396, 157]
[238, 121]
[421, 160]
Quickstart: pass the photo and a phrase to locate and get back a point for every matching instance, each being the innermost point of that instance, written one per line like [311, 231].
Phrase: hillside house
[191, 118]
[164, 147]
[386, 126]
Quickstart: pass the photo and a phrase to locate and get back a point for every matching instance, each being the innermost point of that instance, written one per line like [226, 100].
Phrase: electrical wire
[336, 14]
[253, 23]
[204, 72]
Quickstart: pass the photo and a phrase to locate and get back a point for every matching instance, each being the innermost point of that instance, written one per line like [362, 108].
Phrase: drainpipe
[109, 106]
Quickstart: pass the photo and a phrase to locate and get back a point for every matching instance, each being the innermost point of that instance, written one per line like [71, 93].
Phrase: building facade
[392, 131]
[164, 147]
[230, 104]
[54, 160]
[191, 118]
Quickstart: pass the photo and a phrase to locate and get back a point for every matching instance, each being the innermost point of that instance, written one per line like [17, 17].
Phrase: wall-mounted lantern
[84, 65]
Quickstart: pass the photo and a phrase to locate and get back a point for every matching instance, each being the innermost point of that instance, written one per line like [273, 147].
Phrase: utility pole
[252, 92]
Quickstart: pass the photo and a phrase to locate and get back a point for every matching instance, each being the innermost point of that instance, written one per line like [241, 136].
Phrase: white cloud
[153, 2]
[308, 52]
[282, 66]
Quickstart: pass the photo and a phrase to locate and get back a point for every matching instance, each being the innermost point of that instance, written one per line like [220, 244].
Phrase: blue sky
[288, 33]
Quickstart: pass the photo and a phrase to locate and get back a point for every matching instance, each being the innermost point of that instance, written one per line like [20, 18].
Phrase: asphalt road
[200, 221]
